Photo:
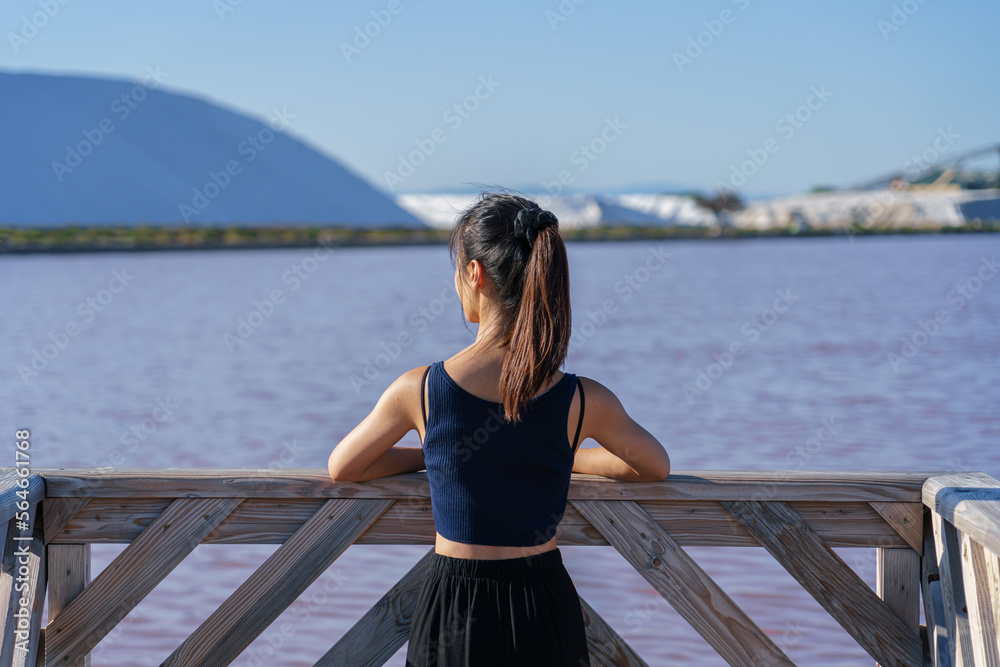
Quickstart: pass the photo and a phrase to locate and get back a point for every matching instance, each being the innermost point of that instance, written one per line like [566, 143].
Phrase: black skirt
[480, 613]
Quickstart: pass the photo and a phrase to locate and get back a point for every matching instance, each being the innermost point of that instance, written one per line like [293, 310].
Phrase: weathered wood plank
[940, 651]
[948, 548]
[384, 628]
[34, 593]
[906, 519]
[315, 483]
[7, 569]
[277, 583]
[979, 604]
[69, 574]
[970, 502]
[897, 582]
[409, 521]
[22, 549]
[606, 647]
[40, 656]
[993, 577]
[13, 557]
[132, 575]
[830, 581]
[708, 523]
[682, 582]
[60, 511]
[11, 484]
[930, 589]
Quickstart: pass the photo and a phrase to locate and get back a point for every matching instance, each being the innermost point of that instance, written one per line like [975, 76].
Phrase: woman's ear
[475, 273]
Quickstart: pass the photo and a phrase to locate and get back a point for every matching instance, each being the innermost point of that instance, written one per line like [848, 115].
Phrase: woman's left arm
[368, 451]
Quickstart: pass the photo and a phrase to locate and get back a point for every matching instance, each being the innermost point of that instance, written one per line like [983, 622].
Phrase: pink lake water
[286, 394]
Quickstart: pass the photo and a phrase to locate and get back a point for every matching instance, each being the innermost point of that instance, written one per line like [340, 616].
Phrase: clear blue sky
[891, 90]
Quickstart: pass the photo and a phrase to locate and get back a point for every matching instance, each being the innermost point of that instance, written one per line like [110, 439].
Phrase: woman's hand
[628, 451]
[368, 451]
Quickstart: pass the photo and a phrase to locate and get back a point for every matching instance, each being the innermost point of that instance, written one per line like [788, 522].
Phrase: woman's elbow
[657, 475]
[665, 468]
[345, 476]
[339, 472]
[338, 475]
[658, 472]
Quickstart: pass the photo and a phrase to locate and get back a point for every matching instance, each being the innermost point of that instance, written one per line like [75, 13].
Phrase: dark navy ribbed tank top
[494, 482]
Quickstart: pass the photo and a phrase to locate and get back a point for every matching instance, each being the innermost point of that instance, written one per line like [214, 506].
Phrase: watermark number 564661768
[22, 520]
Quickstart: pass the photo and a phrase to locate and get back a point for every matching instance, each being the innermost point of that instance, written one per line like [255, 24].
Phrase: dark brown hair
[520, 248]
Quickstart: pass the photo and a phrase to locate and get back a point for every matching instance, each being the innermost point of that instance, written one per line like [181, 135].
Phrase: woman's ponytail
[522, 251]
[541, 330]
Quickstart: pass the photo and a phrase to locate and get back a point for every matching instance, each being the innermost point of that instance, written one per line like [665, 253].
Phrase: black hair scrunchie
[529, 221]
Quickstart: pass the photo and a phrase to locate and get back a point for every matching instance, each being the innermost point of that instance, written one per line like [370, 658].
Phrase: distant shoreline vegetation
[22, 240]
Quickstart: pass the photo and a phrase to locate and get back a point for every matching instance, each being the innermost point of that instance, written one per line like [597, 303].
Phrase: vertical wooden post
[898, 584]
[69, 574]
[23, 563]
[7, 599]
[930, 588]
[34, 592]
[23, 567]
[993, 568]
[982, 626]
[948, 547]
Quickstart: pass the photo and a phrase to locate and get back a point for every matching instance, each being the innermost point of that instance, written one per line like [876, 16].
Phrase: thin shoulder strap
[423, 403]
[579, 424]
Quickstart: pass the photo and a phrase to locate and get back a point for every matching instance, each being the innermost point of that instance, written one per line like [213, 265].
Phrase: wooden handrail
[943, 549]
[11, 486]
[873, 509]
[961, 573]
[970, 502]
[315, 483]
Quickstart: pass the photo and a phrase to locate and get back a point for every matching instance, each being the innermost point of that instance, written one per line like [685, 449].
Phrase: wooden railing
[960, 580]
[22, 576]
[948, 548]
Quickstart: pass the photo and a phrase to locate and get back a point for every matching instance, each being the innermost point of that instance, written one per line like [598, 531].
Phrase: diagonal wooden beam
[907, 519]
[835, 586]
[682, 582]
[59, 512]
[277, 583]
[606, 647]
[131, 576]
[384, 628]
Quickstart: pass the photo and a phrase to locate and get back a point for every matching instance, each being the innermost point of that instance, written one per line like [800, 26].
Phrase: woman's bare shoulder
[405, 390]
[598, 395]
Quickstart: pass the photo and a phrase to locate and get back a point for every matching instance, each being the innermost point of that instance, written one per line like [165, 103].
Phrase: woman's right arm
[627, 451]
